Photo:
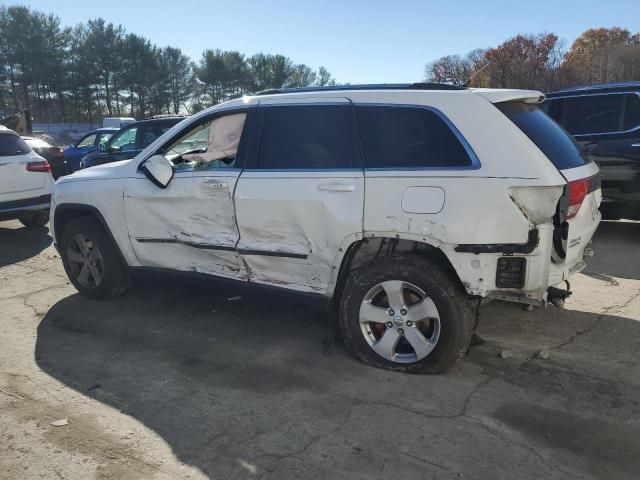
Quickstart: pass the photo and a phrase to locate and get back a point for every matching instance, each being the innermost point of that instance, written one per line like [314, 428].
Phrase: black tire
[115, 276]
[456, 316]
[34, 220]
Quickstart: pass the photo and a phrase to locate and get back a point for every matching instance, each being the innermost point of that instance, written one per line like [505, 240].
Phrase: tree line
[542, 62]
[97, 69]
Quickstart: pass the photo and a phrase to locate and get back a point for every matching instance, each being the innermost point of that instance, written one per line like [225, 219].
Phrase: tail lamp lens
[578, 190]
[39, 167]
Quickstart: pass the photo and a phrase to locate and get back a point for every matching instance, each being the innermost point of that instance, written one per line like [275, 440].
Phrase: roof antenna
[466, 84]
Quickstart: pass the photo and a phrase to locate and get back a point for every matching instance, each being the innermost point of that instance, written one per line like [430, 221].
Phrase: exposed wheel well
[370, 249]
[64, 215]
[66, 212]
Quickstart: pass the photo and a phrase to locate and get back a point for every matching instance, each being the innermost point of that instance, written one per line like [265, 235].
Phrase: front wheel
[405, 314]
[91, 260]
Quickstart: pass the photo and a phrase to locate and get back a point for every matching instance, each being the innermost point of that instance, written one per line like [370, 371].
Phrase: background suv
[402, 205]
[25, 181]
[129, 141]
[605, 120]
[90, 142]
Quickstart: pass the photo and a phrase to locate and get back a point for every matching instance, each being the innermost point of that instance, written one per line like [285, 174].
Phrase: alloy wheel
[85, 260]
[399, 321]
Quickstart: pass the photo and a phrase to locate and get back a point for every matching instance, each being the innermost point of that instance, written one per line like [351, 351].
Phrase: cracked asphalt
[174, 380]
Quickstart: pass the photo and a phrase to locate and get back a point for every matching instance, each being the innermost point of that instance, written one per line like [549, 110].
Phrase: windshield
[11, 144]
[125, 139]
[549, 137]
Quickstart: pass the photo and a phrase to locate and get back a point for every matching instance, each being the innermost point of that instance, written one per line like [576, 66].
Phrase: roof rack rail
[369, 86]
[613, 86]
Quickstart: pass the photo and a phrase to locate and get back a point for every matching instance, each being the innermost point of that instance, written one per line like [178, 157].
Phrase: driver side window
[87, 141]
[210, 144]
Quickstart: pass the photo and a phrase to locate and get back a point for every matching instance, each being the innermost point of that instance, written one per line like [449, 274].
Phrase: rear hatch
[577, 215]
[15, 179]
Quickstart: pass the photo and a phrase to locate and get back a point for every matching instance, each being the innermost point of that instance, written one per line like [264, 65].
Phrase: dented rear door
[301, 197]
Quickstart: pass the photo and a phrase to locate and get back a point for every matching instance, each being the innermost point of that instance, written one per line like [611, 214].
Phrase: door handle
[336, 187]
[216, 184]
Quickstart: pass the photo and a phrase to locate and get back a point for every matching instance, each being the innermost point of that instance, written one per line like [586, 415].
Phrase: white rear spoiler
[498, 95]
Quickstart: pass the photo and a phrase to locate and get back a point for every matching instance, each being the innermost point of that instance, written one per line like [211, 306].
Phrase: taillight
[43, 166]
[578, 190]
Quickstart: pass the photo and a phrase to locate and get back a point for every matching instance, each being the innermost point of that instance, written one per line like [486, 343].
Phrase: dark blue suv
[129, 141]
[605, 120]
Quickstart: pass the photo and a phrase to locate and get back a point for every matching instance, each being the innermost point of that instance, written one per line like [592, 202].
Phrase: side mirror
[159, 170]
[102, 147]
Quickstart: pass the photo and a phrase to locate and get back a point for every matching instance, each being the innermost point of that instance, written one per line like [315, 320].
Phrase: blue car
[87, 144]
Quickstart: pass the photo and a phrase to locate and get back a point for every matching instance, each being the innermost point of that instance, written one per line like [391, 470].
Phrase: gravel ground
[174, 380]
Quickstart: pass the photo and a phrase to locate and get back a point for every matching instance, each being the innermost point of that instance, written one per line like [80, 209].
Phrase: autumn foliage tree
[604, 55]
[540, 62]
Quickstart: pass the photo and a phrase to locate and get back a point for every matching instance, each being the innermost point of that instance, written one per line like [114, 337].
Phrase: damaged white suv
[400, 203]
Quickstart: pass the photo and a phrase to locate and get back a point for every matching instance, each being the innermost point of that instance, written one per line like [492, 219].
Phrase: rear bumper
[15, 208]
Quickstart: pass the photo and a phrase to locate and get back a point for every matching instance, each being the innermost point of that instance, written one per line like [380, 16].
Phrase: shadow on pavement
[18, 244]
[239, 386]
[624, 237]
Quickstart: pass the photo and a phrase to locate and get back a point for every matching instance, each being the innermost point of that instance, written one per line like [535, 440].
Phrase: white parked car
[25, 181]
[401, 204]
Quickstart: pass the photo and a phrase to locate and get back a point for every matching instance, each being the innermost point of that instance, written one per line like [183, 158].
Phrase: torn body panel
[188, 226]
[476, 271]
[520, 224]
[463, 217]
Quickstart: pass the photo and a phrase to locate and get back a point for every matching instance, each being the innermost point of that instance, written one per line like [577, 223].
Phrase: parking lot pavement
[175, 380]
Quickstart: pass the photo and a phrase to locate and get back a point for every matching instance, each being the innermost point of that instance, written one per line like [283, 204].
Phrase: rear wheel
[34, 220]
[405, 314]
[91, 260]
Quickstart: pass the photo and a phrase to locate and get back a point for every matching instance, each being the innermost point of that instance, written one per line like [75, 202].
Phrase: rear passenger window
[408, 137]
[11, 144]
[549, 137]
[87, 141]
[593, 114]
[308, 137]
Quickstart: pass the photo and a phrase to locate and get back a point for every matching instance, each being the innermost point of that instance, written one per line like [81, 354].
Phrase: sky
[357, 41]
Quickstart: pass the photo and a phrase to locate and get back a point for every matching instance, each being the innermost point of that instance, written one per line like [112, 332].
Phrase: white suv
[25, 181]
[400, 203]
